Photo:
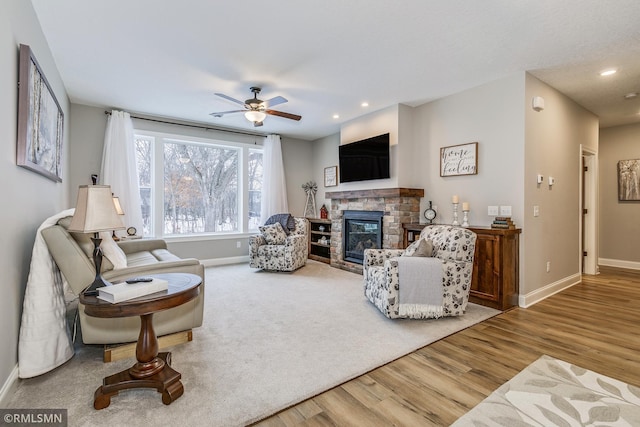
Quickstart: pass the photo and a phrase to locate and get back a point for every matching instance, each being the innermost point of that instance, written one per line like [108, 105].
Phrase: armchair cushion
[419, 248]
[273, 233]
[287, 221]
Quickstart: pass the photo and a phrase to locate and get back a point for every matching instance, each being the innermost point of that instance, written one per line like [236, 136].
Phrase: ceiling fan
[255, 110]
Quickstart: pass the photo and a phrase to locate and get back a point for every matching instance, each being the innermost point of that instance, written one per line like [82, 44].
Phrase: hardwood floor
[593, 325]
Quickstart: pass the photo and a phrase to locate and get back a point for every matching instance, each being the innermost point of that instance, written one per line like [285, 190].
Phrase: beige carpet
[269, 341]
[551, 392]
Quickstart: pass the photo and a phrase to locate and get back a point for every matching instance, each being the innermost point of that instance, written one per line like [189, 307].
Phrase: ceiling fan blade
[283, 114]
[228, 98]
[222, 113]
[277, 100]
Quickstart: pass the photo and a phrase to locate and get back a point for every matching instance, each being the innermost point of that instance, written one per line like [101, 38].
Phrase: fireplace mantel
[381, 192]
[399, 205]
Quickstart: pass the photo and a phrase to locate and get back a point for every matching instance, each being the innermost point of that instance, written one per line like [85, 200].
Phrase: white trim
[225, 261]
[620, 263]
[9, 387]
[551, 289]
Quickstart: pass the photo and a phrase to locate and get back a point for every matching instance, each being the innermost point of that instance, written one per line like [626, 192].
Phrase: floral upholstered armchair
[449, 254]
[276, 250]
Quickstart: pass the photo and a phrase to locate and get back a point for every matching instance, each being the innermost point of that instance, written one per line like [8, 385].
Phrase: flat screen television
[364, 160]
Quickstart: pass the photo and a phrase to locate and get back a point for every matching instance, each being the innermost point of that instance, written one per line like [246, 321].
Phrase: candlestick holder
[455, 214]
[465, 218]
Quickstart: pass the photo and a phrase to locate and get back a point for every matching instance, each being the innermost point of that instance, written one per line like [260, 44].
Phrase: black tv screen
[364, 160]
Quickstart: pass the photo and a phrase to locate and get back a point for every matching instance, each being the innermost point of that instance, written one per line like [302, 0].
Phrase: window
[192, 186]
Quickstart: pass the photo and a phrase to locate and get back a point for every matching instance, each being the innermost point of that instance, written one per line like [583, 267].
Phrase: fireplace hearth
[361, 230]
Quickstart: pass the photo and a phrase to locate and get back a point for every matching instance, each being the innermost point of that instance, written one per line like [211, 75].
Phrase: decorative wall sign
[629, 180]
[459, 160]
[330, 176]
[40, 120]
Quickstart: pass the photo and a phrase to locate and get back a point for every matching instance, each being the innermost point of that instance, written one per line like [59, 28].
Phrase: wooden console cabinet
[495, 280]
[319, 229]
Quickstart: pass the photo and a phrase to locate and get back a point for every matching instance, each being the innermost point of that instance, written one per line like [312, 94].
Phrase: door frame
[588, 200]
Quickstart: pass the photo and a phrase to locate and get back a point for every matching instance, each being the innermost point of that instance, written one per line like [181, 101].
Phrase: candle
[454, 199]
[465, 206]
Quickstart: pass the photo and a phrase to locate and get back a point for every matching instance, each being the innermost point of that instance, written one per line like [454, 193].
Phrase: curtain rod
[194, 126]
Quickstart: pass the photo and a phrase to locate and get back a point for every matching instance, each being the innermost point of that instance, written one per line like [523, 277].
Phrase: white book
[125, 291]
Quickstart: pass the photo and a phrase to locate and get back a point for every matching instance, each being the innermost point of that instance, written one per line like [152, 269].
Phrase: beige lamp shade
[95, 210]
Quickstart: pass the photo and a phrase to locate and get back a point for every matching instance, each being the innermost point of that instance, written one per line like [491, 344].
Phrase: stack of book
[503, 222]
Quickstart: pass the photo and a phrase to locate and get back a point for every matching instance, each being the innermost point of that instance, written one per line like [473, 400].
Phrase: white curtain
[274, 187]
[119, 169]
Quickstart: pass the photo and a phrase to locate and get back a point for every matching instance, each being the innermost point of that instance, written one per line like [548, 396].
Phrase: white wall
[491, 115]
[28, 198]
[619, 224]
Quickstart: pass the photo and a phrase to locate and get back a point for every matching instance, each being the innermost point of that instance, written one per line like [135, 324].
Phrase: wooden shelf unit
[318, 251]
[495, 281]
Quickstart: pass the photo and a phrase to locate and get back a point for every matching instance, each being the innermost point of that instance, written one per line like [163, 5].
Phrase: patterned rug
[550, 392]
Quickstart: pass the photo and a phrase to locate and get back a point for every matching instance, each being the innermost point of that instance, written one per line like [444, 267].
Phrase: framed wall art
[629, 180]
[331, 176]
[40, 120]
[459, 160]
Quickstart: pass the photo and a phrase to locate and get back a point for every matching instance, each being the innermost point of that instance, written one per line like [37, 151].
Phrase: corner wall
[553, 139]
[619, 225]
[29, 198]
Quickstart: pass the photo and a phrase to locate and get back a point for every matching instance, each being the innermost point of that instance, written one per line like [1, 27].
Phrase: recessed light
[608, 72]
[631, 95]
[336, 116]
[364, 104]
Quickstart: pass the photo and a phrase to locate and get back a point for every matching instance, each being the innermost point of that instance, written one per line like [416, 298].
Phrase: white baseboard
[545, 292]
[633, 265]
[9, 388]
[225, 261]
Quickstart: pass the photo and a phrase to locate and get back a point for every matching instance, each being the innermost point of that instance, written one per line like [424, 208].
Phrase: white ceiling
[168, 58]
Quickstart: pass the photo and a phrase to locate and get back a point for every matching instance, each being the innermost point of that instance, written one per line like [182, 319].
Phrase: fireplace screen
[362, 230]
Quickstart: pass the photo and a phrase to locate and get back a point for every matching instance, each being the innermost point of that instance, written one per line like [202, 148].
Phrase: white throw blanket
[45, 342]
[421, 289]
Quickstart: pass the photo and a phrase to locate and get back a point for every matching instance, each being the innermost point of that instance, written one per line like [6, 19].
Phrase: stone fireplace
[397, 206]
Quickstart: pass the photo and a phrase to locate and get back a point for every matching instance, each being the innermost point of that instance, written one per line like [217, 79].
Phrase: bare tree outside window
[200, 191]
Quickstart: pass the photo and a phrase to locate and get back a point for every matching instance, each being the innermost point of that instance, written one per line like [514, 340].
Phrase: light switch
[492, 211]
[552, 180]
[536, 210]
[505, 210]
[539, 179]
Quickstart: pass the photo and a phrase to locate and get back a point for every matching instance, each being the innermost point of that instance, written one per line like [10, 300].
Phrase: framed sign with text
[459, 159]
[331, 176]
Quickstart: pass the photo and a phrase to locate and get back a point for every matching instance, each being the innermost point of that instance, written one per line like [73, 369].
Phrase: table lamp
[95, 212]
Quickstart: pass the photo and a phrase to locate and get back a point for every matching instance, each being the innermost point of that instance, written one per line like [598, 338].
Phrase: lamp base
[99, 281]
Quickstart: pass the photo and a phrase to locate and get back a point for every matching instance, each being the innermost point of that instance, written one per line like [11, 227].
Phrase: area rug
[269, 340]
[551, 392]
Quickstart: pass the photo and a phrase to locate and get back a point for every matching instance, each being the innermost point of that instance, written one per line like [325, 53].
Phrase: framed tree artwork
[40, 120]
[629, 180]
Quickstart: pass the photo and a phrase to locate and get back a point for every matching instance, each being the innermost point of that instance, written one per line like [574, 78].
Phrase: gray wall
[29, 198]
[619, 221]
[87, 141]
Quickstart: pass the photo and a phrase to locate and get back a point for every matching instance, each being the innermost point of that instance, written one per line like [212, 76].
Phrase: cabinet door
[485, 283]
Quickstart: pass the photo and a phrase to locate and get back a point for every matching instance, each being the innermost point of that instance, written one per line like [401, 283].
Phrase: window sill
[208, 237]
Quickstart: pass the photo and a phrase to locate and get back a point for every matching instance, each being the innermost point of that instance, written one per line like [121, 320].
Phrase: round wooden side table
[152, 369]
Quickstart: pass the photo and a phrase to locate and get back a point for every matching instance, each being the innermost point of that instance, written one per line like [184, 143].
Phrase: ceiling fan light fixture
[255, 116]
